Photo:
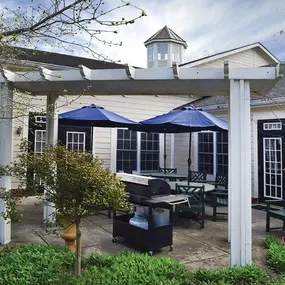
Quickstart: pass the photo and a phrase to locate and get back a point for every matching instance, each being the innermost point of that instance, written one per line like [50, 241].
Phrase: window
[40, 141]
[150, 53]
[176, 49]
[206, 153]
[126, 150]
[272, 126]
[149, 151]
[75, 141]
[213, 152]
[40, 119]
[222, 152]
[162, 51]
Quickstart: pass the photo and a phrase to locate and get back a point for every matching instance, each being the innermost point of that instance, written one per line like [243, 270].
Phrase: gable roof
[165, 34]
[230, 52]
[54, 60]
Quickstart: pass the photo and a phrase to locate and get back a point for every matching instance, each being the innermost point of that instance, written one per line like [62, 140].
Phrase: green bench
[275, 212]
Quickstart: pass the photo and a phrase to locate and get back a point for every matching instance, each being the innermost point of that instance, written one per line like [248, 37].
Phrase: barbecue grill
[151, 193]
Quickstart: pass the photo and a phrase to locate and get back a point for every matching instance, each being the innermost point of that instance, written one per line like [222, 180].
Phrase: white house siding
[136, 108]
[249, 58]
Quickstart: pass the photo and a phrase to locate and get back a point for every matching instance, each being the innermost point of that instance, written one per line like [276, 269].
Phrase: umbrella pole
[164, 156]
[189, 158]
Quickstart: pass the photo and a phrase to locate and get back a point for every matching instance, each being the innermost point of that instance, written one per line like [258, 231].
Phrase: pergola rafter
[237, 83]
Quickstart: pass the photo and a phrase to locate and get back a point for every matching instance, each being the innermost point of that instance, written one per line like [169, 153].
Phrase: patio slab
[195, 247]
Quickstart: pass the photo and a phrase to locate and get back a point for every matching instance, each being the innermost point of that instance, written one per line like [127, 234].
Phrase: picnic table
[170, 176]
[207, 187]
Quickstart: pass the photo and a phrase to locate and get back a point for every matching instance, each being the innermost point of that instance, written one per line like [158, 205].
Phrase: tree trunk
[78, 250]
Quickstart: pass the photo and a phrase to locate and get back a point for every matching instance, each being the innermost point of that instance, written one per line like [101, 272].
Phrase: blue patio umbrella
[95, 116]
[183, 120]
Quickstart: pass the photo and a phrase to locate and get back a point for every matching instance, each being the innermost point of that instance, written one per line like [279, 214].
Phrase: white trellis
[237, 83]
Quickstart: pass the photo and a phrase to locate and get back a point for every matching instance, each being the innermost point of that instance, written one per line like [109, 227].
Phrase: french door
[73, 137]
[271, 141]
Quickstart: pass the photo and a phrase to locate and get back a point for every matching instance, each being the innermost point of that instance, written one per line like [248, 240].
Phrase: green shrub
[269, 240]
[249, 274]
[134, 269]
[275, 257]
[35, 264]
[277, 281]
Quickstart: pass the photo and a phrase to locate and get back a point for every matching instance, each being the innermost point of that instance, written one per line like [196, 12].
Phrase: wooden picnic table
[207, 187]
[170, 176]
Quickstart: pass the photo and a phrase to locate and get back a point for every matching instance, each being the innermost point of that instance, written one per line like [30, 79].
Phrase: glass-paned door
[272, 148]
[271, 157]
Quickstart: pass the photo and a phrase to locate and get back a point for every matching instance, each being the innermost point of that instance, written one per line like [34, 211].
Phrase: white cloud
[208, 26]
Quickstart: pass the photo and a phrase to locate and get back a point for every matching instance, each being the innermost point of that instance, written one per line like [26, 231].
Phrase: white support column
[51, 139]
[240, 173]
[172, 151]
[6, 149]
[139, 152]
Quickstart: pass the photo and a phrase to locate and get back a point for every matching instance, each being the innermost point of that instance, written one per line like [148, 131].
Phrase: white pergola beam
[6, 149]
[240, 173]
[130, 71]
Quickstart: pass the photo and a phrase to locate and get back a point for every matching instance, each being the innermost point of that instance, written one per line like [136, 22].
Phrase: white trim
[93, 129]
[161, 150]
[255, 193]
[138, 152]
[172, 150]
[113, 162]
[26, 127]
[229, 53]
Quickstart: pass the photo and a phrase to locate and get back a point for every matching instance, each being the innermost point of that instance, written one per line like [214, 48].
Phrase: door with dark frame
[271, 158]
[73, 137]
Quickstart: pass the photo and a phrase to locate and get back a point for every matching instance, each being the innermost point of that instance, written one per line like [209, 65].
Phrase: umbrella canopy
[184, 120]
[95, 116]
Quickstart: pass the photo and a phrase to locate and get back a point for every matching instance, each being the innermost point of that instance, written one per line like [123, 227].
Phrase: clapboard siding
[249, 58]
[136, 108]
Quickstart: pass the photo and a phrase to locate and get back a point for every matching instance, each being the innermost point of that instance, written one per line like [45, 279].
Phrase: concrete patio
[207, 248]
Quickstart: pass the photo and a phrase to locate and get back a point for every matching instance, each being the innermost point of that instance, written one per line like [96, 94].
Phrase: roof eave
[148, 42]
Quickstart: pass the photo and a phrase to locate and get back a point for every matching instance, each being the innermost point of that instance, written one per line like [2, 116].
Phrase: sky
[208, 27]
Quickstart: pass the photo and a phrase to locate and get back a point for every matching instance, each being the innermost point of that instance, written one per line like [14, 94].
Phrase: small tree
[76, 184]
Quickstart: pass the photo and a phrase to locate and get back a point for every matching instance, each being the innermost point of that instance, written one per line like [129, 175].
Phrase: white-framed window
[75, 141]
[40, 119]
[213, 152]
[162, 51]
[176, 52]
[150, 55]
[272, 163]
[40, 141]
[272, 126]
[222, 152]
[149, 152]
[126, 150]
[206, 152]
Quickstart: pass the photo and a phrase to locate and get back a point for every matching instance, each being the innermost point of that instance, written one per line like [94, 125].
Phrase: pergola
[237, 83]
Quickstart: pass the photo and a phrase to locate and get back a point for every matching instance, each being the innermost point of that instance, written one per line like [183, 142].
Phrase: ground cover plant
[50, 265]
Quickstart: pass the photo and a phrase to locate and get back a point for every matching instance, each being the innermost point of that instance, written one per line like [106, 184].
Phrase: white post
[6, 149]
[240, 173]
[172, 151]
[51, 139]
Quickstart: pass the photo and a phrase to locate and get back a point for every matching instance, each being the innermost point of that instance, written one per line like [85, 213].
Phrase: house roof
[54, 60]
[230, 52]
[165, 34]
